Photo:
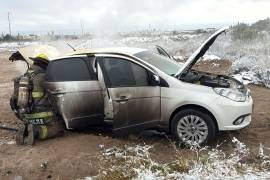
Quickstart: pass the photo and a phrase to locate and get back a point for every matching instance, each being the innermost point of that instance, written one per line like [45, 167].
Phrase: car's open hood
[200, 52]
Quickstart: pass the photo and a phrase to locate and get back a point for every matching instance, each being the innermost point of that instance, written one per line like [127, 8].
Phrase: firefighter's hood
[33, 51]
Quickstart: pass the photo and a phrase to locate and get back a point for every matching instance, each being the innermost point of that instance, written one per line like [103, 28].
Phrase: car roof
[120, 50]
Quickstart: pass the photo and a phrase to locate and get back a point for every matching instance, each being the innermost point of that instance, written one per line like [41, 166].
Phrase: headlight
[232, 94]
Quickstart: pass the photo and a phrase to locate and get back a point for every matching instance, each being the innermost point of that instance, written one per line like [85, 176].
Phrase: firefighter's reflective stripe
[39, 115]
[37, 95]
[44, 132]
[30, 71]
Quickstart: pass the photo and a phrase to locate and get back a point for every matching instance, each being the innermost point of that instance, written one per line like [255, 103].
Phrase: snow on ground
[134, 162]
[6, 142]
[13, 46]
[247, 78]
[210, 57]
[250, 77]
[250, 65]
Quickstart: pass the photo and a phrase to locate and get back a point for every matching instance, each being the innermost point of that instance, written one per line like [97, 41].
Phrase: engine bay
[206, 79]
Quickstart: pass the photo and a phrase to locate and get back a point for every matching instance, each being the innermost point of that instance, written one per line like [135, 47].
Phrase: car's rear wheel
[192, 126]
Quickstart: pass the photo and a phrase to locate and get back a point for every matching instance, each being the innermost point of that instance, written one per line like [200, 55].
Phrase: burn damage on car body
[135, 89]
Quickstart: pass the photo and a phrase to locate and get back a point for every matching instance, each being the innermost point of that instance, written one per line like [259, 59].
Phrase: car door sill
[136, 127]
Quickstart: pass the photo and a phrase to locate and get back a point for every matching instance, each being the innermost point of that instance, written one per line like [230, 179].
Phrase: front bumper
[227, 111]
[246, 122]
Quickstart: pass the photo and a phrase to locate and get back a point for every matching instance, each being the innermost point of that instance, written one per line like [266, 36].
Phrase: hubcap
[192, 129]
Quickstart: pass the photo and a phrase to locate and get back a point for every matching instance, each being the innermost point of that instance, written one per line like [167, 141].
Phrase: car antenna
[71, 47]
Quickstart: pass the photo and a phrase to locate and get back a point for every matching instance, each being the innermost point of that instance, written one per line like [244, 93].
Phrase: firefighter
[40, 121]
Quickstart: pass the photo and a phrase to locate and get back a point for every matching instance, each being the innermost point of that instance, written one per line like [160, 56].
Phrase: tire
[193, 127]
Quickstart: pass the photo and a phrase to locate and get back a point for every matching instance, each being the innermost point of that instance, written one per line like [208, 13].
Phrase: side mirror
[155, 80]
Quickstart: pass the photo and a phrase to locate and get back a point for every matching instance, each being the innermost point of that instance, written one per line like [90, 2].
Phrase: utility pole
[9, 24]
[81, 26]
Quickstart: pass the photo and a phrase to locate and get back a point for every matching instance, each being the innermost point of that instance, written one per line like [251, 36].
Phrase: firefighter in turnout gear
[31, 104]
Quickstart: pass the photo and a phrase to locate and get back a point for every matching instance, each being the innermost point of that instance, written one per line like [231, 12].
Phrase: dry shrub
[134, 162]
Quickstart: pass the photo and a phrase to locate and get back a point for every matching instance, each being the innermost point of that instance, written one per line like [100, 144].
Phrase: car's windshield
[164, 64]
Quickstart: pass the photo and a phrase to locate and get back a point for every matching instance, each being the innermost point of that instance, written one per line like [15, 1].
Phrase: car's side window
[123, 73]
[69, 69]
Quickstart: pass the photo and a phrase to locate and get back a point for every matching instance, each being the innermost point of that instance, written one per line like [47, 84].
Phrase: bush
[244, 32]
[7, 37]
[135, 162]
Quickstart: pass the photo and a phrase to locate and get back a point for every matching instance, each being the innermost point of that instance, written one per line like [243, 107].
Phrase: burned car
[135, 89]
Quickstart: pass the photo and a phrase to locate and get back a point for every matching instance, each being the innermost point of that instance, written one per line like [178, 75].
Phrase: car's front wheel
[192, 126]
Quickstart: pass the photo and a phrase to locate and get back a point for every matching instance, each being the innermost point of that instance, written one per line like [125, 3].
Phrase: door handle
[121, 99]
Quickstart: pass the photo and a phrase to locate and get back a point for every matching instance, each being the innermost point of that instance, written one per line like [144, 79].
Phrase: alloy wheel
[192, 129]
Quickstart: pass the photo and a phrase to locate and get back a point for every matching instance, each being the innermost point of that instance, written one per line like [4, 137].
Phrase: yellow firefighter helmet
[40, 58]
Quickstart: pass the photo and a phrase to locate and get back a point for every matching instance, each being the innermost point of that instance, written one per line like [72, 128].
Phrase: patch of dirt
[214, 66]
[76, 154]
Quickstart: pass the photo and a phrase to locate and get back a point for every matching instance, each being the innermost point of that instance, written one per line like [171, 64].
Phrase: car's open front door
[133, 92]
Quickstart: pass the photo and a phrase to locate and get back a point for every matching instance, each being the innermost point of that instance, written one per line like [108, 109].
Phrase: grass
[135, 162]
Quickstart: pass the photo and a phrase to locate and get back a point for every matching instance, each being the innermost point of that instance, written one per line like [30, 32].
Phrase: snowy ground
[13, 46]
[134, 162]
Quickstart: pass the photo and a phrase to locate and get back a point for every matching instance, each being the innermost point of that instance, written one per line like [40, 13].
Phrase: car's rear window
[70, 69]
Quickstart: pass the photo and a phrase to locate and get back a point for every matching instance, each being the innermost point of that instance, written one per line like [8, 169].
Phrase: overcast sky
[121, 15]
